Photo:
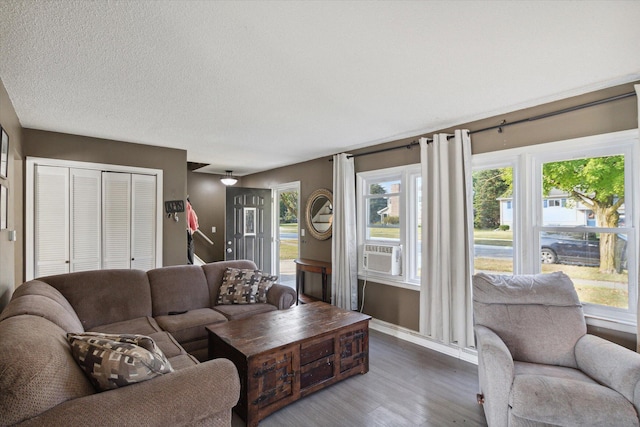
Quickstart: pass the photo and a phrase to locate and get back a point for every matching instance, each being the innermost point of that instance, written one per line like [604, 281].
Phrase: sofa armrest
[495, 373]
[281, 296]
[203, 394]
[610, 364]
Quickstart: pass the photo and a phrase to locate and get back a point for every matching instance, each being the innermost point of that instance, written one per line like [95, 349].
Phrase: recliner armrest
[281, 296]
[610, 364]
[496, 373]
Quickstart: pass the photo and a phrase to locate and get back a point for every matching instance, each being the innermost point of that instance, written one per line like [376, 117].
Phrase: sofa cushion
[266, 282]
[43, 306]
[102, 297]
[239, 286]
[178, 288]
[215, 271]
[242, 311]
[112, 361]
[141, 325]
[183, 361]
[189, 326]
[168, 345]
[37, 370]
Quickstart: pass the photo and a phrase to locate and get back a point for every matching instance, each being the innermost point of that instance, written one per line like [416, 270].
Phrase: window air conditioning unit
[382, 259]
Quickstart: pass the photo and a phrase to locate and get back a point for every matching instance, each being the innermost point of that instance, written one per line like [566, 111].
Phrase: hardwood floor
[407, 385]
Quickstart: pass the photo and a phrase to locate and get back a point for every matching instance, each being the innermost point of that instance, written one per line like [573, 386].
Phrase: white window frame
[528, 208]
[408, 222]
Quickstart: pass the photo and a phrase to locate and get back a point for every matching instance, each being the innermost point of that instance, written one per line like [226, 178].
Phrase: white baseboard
[468, 355]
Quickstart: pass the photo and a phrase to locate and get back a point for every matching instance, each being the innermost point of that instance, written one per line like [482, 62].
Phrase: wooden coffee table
[284, 355]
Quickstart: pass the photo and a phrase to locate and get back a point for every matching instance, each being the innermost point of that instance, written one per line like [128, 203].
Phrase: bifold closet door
[51, 220]
[86, 203]
[143, 222]
[116, 220]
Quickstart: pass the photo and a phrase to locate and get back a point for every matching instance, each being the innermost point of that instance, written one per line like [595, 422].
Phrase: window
[593, 253]
[573, 212]
[493, 219]
[389, 215]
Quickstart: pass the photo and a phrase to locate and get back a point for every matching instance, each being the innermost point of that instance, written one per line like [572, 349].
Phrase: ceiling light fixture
[228, 178]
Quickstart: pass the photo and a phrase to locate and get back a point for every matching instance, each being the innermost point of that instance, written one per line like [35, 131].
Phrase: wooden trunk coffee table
[284, 355]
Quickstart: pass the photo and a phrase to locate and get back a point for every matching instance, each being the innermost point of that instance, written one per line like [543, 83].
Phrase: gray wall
[173, 162]
[207, 195]
[11, 259]
[401, 306]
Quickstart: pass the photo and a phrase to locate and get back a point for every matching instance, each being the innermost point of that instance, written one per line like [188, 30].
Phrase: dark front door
[248, 226]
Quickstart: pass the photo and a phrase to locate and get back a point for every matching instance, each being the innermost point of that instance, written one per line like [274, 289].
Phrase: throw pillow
[239, 286]
[112, 361]
[263, 287]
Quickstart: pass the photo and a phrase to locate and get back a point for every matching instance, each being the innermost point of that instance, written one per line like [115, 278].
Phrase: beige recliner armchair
[537, 364]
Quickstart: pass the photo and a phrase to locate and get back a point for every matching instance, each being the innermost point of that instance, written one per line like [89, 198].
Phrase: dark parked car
[579, 248]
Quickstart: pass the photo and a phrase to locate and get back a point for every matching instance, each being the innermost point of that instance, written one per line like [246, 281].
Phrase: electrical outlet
[213, 229]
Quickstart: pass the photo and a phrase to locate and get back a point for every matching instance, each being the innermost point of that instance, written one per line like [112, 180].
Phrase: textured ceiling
[250, 86]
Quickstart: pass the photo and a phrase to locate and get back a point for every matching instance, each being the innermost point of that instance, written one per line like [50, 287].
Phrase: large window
[569, 206]
[389, 232]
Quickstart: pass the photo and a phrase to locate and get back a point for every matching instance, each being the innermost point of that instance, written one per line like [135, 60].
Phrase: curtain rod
[505, 123]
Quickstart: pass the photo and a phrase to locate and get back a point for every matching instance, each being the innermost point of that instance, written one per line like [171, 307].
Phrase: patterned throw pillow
[263, 287]
[112, 361]
[239, 286]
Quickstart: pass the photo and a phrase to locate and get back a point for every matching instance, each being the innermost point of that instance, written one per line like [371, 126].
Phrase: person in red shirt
[192, 226]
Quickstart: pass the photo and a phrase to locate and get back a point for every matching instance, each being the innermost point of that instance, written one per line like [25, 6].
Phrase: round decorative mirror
[320, 214]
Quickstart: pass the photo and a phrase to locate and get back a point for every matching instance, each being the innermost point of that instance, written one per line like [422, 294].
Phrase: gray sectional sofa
[41, 383]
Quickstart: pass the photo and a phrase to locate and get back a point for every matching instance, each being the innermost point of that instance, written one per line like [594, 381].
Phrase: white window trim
[527, 211]
[407, 221]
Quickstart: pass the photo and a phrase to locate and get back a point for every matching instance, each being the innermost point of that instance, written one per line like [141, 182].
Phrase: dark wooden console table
[311, 266]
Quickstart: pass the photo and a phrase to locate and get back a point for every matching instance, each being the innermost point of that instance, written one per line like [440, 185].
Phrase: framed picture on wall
[4, 154]
[4, 206]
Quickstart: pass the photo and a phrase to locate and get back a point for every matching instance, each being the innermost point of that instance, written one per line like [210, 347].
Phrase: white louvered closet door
[51, 220]
[116, 220]
[143, 222]
[86, 203]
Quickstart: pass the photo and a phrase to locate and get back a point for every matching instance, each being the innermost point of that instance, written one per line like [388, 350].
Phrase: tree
[288, 206]
[488, 186]
[376, 204]
[597, 183]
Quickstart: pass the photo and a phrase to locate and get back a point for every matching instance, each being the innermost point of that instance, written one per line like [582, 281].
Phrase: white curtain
[344, 254]
[447, 233]
[637, 87]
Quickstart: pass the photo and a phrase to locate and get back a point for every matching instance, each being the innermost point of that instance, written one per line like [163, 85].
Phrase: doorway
[248, 226]
[287, 226]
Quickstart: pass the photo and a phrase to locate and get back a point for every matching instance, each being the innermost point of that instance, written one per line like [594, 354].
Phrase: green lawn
[289, 228]
[288, 249]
